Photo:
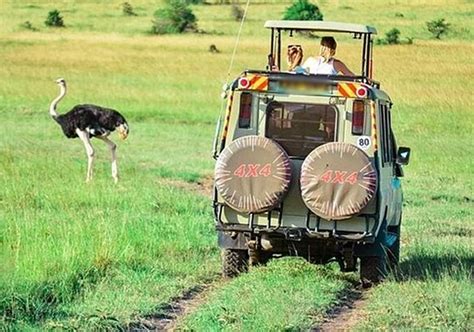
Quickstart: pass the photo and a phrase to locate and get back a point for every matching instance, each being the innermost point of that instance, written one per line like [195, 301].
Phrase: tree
[237, 12]
[303, 10]
[438, 27]
[54, 19]
[175, 17]
[127, 9]
[393, 36]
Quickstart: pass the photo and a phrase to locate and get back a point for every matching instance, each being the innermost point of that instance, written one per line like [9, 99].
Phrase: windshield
[299, 127]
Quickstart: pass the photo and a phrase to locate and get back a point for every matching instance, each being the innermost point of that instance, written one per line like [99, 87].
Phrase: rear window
[299, 128]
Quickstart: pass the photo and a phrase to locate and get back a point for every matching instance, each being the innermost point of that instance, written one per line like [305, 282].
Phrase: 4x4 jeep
[307, 165]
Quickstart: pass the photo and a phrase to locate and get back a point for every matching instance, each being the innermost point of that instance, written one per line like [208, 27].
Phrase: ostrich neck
[54, 103]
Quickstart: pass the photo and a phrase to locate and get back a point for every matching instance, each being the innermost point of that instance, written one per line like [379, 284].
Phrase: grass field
[100, 256]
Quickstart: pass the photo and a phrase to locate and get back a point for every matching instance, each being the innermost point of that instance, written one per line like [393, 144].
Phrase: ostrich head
[122, 128]
[61, 82]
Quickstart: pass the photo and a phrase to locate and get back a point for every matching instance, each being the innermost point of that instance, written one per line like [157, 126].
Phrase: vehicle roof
[320, 26]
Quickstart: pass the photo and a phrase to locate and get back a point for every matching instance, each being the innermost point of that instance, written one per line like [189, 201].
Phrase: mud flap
[377, 248]
[232, 240]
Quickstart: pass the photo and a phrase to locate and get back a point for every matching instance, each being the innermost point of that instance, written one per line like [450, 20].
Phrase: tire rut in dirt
[168, 315]
[347, 313]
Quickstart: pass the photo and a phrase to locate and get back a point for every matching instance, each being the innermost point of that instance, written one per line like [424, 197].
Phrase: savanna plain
[100, 256]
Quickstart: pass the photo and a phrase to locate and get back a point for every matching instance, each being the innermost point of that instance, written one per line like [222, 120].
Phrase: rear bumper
[312, 227]
[297, 241]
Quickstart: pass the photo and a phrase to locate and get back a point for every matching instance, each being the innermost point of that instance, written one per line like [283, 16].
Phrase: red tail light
[245, 112]
[358, 116]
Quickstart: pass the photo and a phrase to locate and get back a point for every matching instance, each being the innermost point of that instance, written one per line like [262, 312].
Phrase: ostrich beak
[122, 131]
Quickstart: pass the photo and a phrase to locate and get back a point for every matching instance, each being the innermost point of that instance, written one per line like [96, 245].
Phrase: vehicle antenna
[226, 84]
[237, 41]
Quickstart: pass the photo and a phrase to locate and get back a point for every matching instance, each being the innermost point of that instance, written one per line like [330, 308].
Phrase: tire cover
[253, 174]
[337, 180]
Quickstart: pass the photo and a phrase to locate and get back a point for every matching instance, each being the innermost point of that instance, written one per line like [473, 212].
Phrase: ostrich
[87, 121]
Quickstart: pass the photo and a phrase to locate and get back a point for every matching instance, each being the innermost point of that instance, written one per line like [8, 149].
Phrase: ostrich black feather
[95, 120]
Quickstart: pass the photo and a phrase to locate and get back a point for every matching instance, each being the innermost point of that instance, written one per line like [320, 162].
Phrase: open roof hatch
[359, 31]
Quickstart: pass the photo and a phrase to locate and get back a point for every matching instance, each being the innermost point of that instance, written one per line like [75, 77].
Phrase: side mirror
[403, 155]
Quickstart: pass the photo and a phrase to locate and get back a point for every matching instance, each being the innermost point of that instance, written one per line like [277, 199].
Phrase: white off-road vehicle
[307, 165]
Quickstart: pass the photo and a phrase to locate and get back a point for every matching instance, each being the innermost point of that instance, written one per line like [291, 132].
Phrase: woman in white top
[325, 63]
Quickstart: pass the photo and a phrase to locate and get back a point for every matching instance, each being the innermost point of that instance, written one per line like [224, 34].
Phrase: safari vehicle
[307, 165]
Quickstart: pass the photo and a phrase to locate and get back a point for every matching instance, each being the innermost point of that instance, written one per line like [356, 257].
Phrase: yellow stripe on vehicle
[261, 84]
[374, 124]
[257, 82]
[227, 116]
[348, 89]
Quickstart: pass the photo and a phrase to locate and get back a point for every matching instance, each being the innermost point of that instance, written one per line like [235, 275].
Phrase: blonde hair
[328, 48]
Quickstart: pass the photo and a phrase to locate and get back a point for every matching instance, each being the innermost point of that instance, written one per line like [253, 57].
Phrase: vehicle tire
[373, 269]
[253, 174]
[234, 262]
[261, 258]
[337, 180]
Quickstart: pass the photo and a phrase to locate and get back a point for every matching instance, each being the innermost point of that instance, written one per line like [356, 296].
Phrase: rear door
[389, 184]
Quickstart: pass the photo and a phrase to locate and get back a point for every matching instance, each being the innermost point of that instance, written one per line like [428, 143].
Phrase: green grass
[286, 295]
[76, 250]
[98, 256]
[93, 255]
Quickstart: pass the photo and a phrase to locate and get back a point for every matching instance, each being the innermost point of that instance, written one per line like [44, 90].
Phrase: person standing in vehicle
[325, 63]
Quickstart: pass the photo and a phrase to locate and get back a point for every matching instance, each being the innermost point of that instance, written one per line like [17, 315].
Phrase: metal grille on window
[299, 128]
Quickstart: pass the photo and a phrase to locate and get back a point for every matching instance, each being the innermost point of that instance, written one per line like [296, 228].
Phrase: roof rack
[320, 26]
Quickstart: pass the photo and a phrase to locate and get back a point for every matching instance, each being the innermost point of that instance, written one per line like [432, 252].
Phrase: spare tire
[337, 180]
[253, 174]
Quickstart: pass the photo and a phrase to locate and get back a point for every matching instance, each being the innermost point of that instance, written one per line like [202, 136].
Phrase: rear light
[244, 83]
[358, 116]
[245, 113]
[361, 92]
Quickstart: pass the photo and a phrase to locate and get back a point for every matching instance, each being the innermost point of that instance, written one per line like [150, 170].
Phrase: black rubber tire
[260, 258]
[373, 270]
[234, 262]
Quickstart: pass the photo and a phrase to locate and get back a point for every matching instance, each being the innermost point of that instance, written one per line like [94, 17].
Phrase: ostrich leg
[113, 147]
[84, 136]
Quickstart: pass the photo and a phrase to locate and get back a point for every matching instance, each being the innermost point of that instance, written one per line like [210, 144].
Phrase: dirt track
[345, 316]
[339, 318]
[170, 314]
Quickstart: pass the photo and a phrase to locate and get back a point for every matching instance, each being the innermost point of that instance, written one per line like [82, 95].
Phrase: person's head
[294, 56]
[328, 48]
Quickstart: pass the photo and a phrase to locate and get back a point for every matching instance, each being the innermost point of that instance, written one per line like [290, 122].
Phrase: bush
[28, 26]
[175, 17]
[54, 19]
[303, 10]
[127, 9]
[237, 12]
[393, 36]
[438, 27]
